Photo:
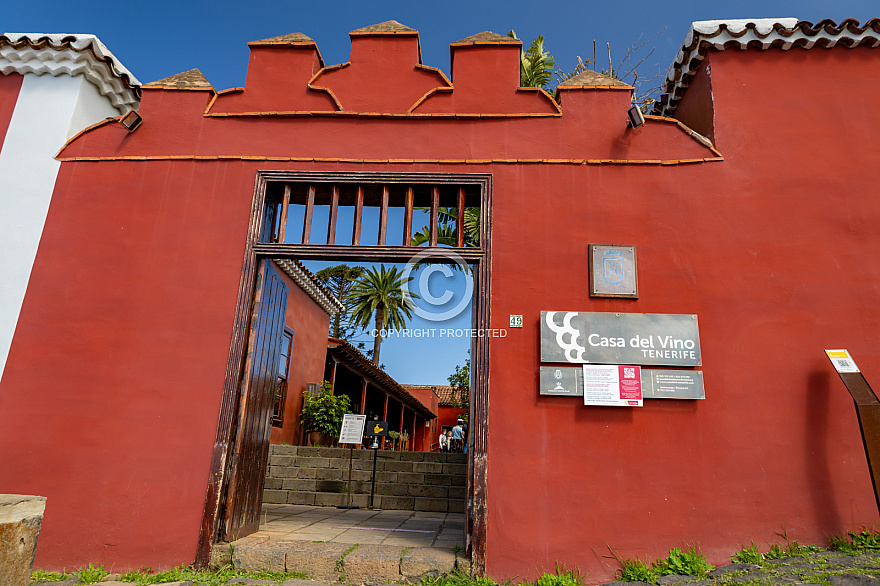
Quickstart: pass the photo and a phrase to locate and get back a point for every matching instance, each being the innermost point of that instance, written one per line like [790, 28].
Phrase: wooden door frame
[476, 518]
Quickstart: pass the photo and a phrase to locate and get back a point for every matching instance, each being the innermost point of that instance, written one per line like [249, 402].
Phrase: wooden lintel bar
[407, 217]
[307, 222]
[366, 253]
[282, 225]
[435, 215]
[383, 216]
[459, 224]
[334, 206]
[358, 216]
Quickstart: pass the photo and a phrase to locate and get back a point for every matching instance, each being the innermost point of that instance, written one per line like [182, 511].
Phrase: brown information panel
[568, 381]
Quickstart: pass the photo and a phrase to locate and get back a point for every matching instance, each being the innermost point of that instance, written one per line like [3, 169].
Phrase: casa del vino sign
[620, 338]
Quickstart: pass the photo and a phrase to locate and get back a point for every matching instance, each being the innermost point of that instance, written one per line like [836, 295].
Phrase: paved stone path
[363, 526]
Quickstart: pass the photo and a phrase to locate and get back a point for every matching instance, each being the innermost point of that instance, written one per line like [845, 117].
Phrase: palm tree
[446, 228]
[536, 64]
[380, 293]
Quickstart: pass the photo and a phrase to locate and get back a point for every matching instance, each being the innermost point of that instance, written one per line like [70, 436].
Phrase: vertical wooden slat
[307, 222]
[282, 226]
[358, 216]
[435, 215]
[407, 217]
[400, 429]
[383, 216]
[333, 375]
[459, 224]
[334, 206]
[364, 398]
[385, 417]
[412, 439]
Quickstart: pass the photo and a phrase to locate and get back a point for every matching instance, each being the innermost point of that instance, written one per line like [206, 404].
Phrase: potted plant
[322, 414]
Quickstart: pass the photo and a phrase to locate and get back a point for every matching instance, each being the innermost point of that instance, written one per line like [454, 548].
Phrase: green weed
[145, 576]
[691, 562]
[866, 539]
[91, 574]
[43, 576]
[748, 555]
[635, 570]
[562, 577]
[459, 578]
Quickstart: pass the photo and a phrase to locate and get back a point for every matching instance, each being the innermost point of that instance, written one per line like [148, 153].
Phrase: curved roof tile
[762, 34]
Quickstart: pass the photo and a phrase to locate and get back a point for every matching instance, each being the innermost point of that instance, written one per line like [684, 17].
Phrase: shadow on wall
[816, 444]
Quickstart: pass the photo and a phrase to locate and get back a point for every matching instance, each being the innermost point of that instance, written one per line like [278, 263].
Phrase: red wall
[10, 85]
[123, 338]
[310, 325]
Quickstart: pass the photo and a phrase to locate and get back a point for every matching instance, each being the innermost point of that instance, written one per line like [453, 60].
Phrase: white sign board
[352, 431]
[612, 385]
[842, 361]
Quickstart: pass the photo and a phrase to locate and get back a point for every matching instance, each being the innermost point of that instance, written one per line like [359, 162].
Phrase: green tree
[536, 64]
[460, 381]
[340, 280]
[378, 296]
[447, 220]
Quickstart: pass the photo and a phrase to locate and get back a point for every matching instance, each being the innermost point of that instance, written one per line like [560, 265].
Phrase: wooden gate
[254, 420]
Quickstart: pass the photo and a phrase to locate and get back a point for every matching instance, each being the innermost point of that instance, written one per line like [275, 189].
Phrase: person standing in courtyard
[457, 435]
[442, 441]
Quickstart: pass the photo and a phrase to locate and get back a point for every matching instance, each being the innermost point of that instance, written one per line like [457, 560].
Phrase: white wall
[49, 110]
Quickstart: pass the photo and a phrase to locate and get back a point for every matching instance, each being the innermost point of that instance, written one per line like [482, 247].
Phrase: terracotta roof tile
[487, 37]
[284, 40]
[192, 79]
[592, 78]
[387, 27]
[443, 392]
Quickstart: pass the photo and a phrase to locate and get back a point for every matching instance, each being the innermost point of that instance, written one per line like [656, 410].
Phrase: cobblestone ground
[829, 568]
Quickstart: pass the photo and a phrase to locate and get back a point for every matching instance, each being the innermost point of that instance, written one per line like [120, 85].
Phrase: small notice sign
[612, 385]
[842, 361]
[377, 428]
[352, 431]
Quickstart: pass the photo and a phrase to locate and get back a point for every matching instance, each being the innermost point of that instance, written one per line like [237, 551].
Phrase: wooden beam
[307, 221]
[407, 217]
[358, 253]
[459, 224]
[282, 225]
[364, 398]
[383, 216]
[358, 216]
[385, 417]
[435, 215]
[334, 206]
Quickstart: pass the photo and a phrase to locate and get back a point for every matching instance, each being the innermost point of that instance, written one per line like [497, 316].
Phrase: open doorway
[325, 217]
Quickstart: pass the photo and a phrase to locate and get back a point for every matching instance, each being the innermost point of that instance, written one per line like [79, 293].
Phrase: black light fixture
[636, 118]
[132, 120]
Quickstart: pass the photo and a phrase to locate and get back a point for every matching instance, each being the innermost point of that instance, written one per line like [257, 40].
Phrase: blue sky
[161, 38]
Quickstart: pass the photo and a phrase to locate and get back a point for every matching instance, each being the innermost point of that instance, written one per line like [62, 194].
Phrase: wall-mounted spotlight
[132, 120]
[636, 118]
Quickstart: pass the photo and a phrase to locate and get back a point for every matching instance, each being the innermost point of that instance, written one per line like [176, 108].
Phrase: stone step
[282, 461]
[310, 452]
[333, 562]
[380, 501]
[302, 473]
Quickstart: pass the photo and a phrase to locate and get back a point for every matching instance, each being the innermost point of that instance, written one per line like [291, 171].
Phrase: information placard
[352, 431]
[568, 381]
[842, 361]
[612, 385]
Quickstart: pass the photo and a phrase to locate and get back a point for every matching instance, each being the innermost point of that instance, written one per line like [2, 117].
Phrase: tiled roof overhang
[761, 34]
[443, 392]
[309, 283]
[351, 356]
[66, 54]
